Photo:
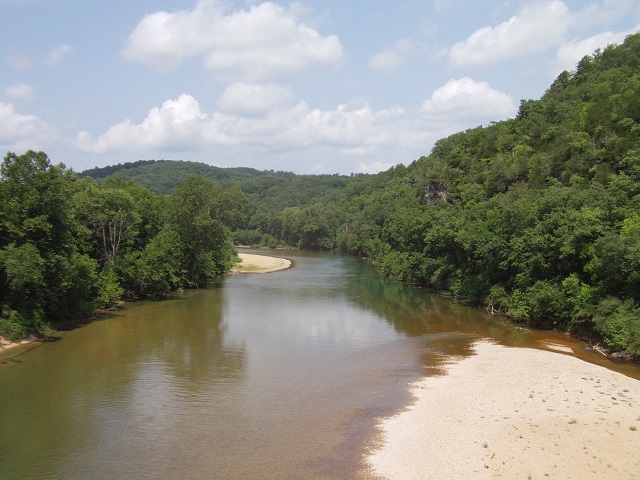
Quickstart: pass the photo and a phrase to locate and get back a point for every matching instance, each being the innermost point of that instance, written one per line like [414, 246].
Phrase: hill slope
[165, 176]
[536, 216]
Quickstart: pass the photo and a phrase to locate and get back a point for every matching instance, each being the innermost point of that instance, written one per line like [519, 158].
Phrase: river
[282, 375]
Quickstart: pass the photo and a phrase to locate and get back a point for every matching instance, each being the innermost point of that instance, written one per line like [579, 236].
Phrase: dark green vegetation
[164, 176]
[537, 216]
[71, 245]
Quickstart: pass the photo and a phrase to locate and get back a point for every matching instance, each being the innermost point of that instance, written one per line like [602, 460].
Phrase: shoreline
[254, 263]
[509, 412]
[6, 345]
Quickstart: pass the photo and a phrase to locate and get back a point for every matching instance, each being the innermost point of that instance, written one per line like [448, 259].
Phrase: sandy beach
[515, 413]
[260, 264]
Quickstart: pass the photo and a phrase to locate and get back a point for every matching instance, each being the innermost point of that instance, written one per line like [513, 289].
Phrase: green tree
[200, 211]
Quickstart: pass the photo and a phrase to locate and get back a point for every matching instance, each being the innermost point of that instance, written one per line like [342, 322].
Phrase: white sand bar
[260, 264]
[515, 413]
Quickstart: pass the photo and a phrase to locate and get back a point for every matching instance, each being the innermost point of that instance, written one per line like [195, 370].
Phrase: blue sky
[311, 86]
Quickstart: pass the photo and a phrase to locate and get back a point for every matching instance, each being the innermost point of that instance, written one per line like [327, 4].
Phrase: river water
[281, 375]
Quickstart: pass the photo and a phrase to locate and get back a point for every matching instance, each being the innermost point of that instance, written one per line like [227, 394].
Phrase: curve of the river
[285, 375]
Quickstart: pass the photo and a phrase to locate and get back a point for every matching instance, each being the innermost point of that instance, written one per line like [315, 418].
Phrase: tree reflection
[105, 386]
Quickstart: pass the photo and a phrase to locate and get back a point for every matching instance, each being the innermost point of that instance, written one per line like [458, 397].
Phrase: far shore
[515, 413]
[252, 263]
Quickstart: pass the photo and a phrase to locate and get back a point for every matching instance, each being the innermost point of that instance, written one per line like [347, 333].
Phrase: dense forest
[536, 217]
[69, 245]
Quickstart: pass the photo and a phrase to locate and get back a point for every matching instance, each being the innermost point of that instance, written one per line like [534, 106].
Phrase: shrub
[619, 324]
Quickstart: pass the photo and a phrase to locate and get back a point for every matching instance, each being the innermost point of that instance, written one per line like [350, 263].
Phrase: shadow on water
[417, 312]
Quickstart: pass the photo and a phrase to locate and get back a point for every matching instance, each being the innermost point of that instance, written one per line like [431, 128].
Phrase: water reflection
[113, 388]
[276, 376]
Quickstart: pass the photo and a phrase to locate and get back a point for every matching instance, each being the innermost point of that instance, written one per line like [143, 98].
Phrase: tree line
[537, 217]
[70, 245]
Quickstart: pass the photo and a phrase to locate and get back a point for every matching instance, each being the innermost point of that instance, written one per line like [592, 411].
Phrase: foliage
[619, 322]
[536, 216]
[70, 245]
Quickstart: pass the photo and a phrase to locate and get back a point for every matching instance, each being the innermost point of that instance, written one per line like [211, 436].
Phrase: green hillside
[536, 217]
[165, 176]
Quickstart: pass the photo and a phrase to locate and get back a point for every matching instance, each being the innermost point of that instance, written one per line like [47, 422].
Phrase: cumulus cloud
[262, 43]
[389, 59]
[572, 52]
[352, 129]
[22, 131]
[175, 126]
[20, 91]
[465, 100]
[537, 28]
[262, 120]
[180, 125]
[253, 99]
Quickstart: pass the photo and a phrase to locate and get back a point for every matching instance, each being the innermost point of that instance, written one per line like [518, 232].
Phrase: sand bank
[515, 413]
[6, 344]
[260, 264]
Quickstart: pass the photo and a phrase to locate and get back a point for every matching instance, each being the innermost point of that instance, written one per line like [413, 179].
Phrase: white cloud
[464, 100]
[175, 126]
[56, 54]
[252, 99]
[537, 28]
[352, 130]
[389, 59]
[20, 91]
[354, 136]
[22, 131]
[572, 52]
[262, 43]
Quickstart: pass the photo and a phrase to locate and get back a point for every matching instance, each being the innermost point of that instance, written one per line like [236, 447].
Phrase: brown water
[281, 375]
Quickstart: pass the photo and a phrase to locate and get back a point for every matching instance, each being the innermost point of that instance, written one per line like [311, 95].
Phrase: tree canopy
[536, 216]
[70, 245]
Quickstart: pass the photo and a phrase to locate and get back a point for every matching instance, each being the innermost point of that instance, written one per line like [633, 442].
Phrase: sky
[312, 87]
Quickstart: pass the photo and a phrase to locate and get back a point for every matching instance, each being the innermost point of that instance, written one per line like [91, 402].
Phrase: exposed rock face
[434, 193]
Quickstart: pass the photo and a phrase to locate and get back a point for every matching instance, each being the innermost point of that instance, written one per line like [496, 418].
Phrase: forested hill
[536, 216]
[165, 176]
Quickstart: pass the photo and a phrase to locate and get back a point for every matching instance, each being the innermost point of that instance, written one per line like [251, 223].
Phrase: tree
[199, 210]
[38, 258]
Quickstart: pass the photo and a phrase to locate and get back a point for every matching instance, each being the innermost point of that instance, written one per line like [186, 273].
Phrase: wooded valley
[536, 217]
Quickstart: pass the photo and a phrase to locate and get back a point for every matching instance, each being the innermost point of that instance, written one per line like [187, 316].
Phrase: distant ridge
[165, 176]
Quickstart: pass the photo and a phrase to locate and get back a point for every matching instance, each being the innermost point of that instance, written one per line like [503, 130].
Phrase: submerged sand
[515, 413]
[260, 264]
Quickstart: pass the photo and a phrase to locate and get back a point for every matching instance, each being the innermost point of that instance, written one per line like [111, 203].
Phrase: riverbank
[252, 263]
[515, 413]
[8, 345]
